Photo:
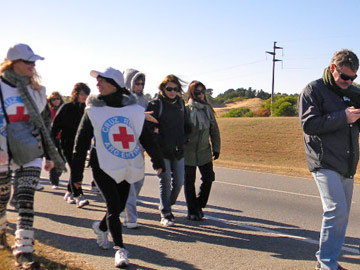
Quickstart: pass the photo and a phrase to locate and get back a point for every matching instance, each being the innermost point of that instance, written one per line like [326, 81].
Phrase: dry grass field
[253, 104]
[272, 144]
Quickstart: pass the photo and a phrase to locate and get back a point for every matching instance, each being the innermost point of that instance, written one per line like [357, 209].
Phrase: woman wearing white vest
[116, 122]
[22, 101]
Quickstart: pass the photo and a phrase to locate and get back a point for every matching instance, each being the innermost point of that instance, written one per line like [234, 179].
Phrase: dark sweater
[173, 127]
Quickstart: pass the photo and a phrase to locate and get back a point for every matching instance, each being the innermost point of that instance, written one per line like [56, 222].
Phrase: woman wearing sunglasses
[55, 100]
[169, 110]
[198, 149]
[22, 101]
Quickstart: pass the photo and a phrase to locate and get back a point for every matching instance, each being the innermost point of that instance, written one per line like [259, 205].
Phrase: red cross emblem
[19, 116]
[124, 137]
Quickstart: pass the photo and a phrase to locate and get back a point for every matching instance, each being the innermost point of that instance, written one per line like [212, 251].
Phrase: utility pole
[273, 53]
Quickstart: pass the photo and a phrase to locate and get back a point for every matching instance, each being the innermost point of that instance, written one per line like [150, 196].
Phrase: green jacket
[198, 150]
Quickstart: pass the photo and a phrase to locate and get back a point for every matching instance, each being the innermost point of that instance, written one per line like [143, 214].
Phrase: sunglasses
[169, 89]
[27, 62]
[140, 84]
[196, 92]
[53, 99]
[346, 77]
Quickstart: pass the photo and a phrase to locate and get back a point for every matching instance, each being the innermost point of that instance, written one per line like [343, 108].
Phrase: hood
[113, 100]
[130, 76]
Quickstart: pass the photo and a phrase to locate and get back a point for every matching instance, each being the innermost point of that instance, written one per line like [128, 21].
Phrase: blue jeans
[171, 182]
[336, 194]
[131, 212]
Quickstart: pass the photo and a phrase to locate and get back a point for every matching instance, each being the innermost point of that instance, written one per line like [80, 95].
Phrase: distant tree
[282, 110]
[238, 112]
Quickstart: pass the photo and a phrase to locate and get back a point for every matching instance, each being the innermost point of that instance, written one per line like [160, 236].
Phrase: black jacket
[66, 121]
[173, 126]
[330, 142]
[86, 132]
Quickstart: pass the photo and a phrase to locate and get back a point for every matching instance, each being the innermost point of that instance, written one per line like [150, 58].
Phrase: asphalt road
[253, 221]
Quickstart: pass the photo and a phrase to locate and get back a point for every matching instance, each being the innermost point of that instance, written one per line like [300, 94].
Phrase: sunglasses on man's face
[169, 89]
[28, 62]
[346, 77]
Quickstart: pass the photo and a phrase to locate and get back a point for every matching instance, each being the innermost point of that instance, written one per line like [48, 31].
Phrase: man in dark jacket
[328, 110]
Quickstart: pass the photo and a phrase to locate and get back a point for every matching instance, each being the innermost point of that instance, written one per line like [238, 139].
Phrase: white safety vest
[117, 132]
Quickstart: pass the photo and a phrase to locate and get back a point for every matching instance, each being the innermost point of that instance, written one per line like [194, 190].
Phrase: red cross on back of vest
[19, 116]
[124, 137]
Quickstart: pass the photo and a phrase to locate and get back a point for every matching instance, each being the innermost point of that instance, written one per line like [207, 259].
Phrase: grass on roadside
[49, 257]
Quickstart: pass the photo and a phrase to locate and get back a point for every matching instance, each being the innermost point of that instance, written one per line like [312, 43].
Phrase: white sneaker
[166, 222]
[131, 225]
[81, 201]
[68, 197]
[121, 258]
[101, 236]
[39, 187]
[55, 187]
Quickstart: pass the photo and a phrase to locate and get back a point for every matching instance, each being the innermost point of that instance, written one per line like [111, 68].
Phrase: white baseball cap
[23, 52]
[110, 73]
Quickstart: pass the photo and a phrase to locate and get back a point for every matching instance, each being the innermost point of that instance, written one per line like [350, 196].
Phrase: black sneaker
[171, 217]
[193, 217]
[25, 261]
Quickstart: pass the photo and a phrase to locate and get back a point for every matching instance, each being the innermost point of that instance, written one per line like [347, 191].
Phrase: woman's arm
[82, 144]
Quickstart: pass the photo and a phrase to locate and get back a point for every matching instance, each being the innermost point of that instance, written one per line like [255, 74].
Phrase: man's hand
[352, 114]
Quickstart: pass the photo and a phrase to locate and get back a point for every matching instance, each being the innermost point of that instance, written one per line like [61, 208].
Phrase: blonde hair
[34, 80]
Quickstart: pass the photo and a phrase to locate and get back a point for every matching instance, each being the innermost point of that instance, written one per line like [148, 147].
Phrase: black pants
[195, 202]
[115, 196]
[71, 187]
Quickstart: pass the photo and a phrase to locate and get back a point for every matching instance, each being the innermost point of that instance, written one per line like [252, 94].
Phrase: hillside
[253, 104]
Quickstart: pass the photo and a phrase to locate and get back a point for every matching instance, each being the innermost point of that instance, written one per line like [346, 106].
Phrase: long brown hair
[34, 80]
[171, 78]
[76, 90]
[191, 93]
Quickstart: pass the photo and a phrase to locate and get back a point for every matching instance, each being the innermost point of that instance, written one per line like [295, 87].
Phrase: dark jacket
[86, 132]
[173, 127]
[67, 121]
[330, 142]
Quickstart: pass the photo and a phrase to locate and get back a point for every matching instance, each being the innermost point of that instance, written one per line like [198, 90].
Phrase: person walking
[169, 110]
[198, 151]
[66, 122]
[22, 101]
[134, 81]
[55, 100]
[329, 119]
[117, 123]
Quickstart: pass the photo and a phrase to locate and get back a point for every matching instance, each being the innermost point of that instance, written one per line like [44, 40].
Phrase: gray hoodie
[130, 77]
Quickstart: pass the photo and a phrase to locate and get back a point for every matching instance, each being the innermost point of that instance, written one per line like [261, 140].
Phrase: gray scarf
[200, 114]
[21, 83]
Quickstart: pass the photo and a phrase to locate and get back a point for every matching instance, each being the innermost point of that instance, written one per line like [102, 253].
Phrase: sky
[223, 43]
